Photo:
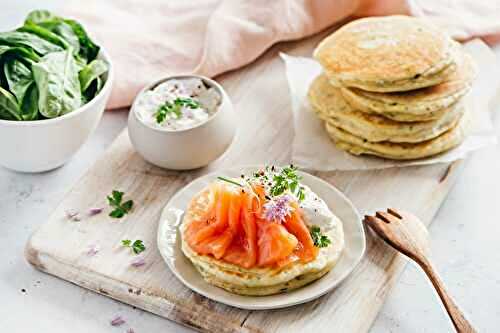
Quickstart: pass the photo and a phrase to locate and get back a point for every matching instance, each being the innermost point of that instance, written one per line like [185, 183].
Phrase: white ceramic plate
[169, 244]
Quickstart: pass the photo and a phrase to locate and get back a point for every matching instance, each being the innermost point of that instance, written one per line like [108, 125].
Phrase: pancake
[260, 281]
[385, 54]
[399, 151]
[330, 105]
[423, 101]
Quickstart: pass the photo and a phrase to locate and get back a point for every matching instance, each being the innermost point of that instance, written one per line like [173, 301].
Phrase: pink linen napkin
[153, 38]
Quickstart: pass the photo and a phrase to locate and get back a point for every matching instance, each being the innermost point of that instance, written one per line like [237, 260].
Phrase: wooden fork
[407, 234]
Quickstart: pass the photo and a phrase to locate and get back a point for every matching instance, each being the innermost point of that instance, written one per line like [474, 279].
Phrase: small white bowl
[42, 145]
[189, 148]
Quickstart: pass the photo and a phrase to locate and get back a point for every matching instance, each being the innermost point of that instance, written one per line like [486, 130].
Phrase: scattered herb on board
[120, 209]
[137, 246]
[319, 239]
[174, 108]
[287, 179]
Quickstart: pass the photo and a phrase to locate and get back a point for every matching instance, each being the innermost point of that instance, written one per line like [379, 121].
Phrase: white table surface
[465, 238]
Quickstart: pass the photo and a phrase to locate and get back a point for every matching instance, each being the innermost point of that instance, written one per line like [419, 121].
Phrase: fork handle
[462, 325]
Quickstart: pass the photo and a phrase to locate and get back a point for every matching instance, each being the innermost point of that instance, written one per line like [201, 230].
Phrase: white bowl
[42, 145]
[189, 148]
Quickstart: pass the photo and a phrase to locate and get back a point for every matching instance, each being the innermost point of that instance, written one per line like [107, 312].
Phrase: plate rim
[250, 306]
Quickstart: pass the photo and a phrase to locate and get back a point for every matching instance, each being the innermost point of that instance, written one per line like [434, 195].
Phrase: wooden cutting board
[261, 98]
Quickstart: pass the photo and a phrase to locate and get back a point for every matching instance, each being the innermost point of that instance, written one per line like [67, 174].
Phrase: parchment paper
[314, 150]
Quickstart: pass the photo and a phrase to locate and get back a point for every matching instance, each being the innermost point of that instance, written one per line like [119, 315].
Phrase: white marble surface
[464, 235]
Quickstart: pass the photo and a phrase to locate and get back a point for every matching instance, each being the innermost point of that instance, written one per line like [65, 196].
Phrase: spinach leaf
[29, 104]
[19, 77]
[45, 34]
[39, 15]
[88, 49]
[72, 31]
[92, 72]
[25, 54]
[56, 76]
[9, 108]
[92, 90]
[25, 39]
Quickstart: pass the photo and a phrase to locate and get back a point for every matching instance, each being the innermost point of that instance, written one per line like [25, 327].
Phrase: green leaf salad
[48, 68]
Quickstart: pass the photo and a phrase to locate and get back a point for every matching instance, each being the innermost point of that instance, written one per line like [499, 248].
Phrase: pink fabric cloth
[153, 38]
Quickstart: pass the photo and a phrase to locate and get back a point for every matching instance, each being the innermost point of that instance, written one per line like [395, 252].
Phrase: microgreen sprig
[287, 179]
[115, 201]
[137, 246]
[175, 108]
[318, 238]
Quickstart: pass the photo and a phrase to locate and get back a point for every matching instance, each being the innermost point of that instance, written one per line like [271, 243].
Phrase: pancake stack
[392, 87]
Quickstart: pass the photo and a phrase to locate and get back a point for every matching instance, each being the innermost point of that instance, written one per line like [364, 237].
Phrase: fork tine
[387, 218]
[395, 213]
[373, 220]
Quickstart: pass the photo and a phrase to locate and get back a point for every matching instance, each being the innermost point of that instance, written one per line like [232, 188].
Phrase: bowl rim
[224, 99]
[107, 86]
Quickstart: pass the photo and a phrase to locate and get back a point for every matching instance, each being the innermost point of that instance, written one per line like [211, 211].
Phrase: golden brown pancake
[330, 105]
[420, 102]
[385, 54]
[399, 151]
[259, 281]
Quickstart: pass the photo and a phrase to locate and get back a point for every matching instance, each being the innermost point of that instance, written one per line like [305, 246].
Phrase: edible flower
[92, 250]
[138, 262]
[278, 208]
[95, 210]
[117, 321]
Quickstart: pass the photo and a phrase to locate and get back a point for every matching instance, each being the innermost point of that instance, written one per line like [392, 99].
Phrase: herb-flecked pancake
[399, 151]
[261, 235]
[420, 103]
[330, 105]
[385, 54]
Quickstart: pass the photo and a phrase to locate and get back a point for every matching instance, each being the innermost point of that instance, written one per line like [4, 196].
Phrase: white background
[465, 238]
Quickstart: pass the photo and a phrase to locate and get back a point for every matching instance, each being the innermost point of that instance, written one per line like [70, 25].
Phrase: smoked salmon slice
[243, 251]
[306, 250]
[232, 228]
[275, 243]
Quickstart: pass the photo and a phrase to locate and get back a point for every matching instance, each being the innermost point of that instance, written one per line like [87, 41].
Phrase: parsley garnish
[319, 239]
[175, 108]
[137, 246]
[287, 179]
[230, 181]
[120, 209]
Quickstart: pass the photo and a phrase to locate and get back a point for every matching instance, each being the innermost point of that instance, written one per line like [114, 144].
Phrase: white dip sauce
[316, 212]
[184, 103]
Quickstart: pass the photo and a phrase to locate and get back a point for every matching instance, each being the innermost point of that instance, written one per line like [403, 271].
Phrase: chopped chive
[230, 181]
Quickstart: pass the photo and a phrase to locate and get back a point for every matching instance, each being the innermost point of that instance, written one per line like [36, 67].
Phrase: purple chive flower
[138, 262]
[117, 321]
[92, 250]
[73, 215]
[95, 211]
[278, 208]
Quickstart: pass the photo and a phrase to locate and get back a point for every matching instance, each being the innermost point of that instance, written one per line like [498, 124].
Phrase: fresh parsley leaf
[287, 179]
[120, 209]
[137, 246]
[319, 239]
[175, 107]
